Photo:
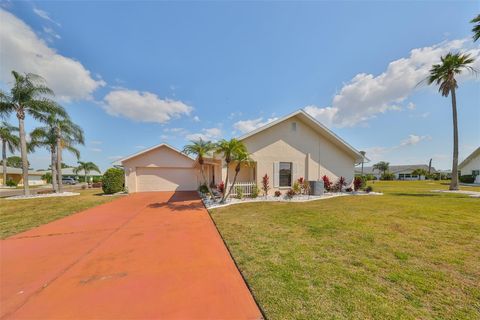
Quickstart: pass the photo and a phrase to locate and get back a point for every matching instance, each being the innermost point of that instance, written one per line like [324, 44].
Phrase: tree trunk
[23, 150]
[4, 161]
[53, 166]
[226, 184]
[233, 183]
[59, 165]
[85, 177]
[206, 183]
[454, 182]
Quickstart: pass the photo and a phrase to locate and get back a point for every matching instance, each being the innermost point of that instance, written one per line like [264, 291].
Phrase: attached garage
[166, 179]
[160, 168]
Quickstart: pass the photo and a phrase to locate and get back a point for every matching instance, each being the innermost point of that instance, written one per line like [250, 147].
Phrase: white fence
[246, 187]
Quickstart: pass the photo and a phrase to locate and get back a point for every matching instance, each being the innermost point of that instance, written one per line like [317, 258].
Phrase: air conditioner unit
[316, 187]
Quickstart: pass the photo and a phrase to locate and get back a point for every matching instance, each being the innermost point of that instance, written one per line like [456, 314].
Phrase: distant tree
[443, 75]
[476, 28]
[420, 172]
[86, 167]
[381, 166]
[9, 141]
[15, 162]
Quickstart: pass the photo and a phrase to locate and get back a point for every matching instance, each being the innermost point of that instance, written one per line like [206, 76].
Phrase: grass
[409, 254]
[21, 215]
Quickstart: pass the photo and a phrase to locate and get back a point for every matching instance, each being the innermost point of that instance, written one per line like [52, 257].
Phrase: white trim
[469, 158]
[312, 119]
[150, 149]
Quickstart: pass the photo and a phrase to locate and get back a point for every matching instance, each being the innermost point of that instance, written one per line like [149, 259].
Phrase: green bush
[11, 183]
[368, 189]
[255, 192]
[203, 189]
[239, 193]
[387, 176]
[296, 187]
[47, 177]
[97, 179]
[113, 181]
[467, 178]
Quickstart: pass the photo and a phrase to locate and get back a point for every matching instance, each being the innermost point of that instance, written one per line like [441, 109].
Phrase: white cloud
[413, 140]
[366, 95]
[44, 15]
[245, 126]
[206, 134]
[23, 51]
[97, 142]
[51, 34]
[96, 149]
[324, 115]
[196, 119]
[143, 106]
[411, 106]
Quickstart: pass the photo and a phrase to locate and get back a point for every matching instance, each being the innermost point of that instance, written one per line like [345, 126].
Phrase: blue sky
[134, 74]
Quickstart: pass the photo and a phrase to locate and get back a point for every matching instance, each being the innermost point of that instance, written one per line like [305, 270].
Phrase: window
[475, 173]
[285, 174]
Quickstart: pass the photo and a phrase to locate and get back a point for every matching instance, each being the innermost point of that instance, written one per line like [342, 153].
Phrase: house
[291, 147]
[16, 175]
[70, 173]
[471, 165]
[401, 172]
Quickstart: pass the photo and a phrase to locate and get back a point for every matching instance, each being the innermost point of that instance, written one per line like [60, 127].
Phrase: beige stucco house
[294, 146]
[471, 165]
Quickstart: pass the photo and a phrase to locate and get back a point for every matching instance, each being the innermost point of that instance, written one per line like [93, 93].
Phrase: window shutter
[276, 175]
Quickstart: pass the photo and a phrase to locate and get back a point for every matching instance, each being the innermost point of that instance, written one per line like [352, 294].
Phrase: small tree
[265, 185]
[420, 172]
[327, 184]
[381, 166]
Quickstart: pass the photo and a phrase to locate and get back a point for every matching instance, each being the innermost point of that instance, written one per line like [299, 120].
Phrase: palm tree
[200, 149]
[241, 157]
[476, 28]
[10, 141]
[27, 96]
[229, 149]
[381, 166]
[58, 134]
[443, 75]
[87, 167]
[420, 172]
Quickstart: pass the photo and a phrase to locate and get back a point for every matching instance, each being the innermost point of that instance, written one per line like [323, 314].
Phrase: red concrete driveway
[151, 255]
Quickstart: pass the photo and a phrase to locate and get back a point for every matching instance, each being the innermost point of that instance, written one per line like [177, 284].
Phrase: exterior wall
[161, 157]
[312, 154]
[33, 180]
[473, 164]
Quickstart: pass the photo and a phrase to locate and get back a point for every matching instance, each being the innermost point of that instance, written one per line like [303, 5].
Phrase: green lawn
[20, 215]
[409, 254]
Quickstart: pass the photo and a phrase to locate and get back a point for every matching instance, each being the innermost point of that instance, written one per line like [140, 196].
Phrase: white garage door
[166, 179]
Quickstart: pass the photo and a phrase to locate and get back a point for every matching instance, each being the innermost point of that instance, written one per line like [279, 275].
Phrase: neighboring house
[401, 172]
[471, 165]
[294, 146]
[15, 174]
[70, 173]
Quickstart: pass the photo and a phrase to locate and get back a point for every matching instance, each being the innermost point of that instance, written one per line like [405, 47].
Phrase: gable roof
[395, 169]
[13, 170]
[316, 124]
[151, 149]
[474, 154]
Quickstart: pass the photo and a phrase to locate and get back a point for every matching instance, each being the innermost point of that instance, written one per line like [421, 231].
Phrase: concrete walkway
[148, 255]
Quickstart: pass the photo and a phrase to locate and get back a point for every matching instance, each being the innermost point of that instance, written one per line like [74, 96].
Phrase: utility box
[316, 187]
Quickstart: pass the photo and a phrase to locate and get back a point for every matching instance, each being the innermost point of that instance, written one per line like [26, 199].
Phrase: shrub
[203, 188]
[113, 181]
[290, 193]
[221, 187]
[387, 176]
[97, 179]
[370, 177]
[96, 185]
[296, 187]
[339, 185]
[238, 193]
[84, 186]
[349, 190]
[368, 189]
[278, 193]
[359, 183]
[265, 184]
[306, 187]
[255, 192]
[467, 178]
[327, 184]
[11, 183]
[47, 177]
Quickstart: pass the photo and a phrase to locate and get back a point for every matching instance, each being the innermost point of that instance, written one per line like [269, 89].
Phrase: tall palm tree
[28, 95]
[476, 28]
[9, 141]
[240, 157]
[87, 167]
[443, 75]
[60, 133]
[381, 166]
[229, 149]
[201, 149]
